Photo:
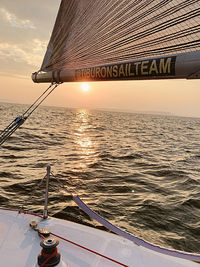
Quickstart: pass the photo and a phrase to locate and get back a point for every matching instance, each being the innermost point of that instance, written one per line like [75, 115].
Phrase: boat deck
[20, 245]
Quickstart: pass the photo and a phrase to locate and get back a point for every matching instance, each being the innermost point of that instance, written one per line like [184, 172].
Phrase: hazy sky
[24, 34]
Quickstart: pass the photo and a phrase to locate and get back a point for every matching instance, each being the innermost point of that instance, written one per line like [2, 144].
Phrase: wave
[139, 171]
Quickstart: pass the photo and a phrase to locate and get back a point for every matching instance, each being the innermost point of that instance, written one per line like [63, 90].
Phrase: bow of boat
[79, 245]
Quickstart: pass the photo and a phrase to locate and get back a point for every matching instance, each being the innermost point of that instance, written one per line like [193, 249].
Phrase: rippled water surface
[141, 172]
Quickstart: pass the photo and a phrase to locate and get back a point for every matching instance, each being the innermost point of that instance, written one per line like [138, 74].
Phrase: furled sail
[123, 39]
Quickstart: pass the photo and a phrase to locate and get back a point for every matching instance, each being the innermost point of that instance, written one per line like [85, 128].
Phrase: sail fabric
[93, 33]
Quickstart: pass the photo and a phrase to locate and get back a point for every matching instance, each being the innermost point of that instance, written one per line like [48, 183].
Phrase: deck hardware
[44, 232]
[49, 255]
[33, 224]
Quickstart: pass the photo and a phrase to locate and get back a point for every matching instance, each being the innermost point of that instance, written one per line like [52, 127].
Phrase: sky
[25, 30]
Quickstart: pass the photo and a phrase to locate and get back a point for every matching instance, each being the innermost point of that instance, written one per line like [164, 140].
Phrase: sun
[85, 87]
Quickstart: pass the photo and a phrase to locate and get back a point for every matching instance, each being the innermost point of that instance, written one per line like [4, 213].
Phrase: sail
[122, 40]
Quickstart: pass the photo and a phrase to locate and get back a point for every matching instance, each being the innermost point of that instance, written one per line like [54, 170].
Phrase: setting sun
[85, 87]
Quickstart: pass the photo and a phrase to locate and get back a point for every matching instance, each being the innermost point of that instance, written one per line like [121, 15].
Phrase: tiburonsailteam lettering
[144, 68]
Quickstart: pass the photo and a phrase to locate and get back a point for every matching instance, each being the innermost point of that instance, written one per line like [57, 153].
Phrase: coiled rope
[16, 123]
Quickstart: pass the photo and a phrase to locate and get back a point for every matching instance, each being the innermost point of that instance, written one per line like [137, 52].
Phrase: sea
[139, 171]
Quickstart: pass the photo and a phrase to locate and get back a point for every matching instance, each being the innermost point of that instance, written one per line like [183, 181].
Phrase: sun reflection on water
[85, 143]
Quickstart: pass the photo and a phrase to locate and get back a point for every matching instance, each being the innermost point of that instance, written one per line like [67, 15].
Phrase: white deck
[20, 245]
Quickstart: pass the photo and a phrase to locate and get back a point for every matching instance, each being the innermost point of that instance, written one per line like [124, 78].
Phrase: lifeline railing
[115, 229]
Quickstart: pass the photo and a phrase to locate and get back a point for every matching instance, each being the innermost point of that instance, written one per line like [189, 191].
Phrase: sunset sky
[24, 34]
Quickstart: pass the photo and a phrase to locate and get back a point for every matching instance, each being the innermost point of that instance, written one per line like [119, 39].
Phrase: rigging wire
[16, 123]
